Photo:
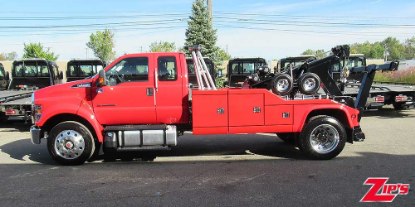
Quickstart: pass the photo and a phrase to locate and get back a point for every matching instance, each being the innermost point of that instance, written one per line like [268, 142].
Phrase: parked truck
[4, 78]
[28, 75]
[142, 102]
[77, 69]
[284, 63]
[399, 95]
[240, 68]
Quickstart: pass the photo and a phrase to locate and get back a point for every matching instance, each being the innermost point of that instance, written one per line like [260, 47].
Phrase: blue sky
[261, 28]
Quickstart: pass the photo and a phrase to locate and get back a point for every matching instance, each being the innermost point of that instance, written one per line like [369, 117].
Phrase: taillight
[379, 99]
[401, 98]
[10, 112]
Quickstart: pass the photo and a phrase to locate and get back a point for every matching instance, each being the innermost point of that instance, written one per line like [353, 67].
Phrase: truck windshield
[245, 67]
[294, 62]
[31, 69]
[355, 62]
[83, 70]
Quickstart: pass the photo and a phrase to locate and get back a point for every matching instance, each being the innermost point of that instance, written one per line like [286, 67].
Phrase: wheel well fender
[337, 114]
[95, 128]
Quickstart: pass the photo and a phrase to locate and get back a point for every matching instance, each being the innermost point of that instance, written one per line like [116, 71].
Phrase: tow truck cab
[4, 78]
[79, 69]
[142, 102]
[240, 68]
[294, 61]
[30, 74]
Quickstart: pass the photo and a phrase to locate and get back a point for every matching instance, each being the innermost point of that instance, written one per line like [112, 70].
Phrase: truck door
[129, 97]
[170, 96]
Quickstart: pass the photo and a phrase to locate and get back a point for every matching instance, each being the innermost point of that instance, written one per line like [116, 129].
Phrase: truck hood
[70, 89]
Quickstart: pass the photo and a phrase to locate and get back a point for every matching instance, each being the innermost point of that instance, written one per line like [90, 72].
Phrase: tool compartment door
[246, 109]
[210, 109]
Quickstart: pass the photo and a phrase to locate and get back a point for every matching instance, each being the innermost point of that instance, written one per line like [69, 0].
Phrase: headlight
[37, 112]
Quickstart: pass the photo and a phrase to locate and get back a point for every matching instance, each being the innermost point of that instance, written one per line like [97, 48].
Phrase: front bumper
[36, 134]
[358, 134]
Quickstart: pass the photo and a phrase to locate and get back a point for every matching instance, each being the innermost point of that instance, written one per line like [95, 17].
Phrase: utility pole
[209, 5]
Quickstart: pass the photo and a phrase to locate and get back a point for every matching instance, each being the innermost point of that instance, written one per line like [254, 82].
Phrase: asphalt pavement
[236, 170]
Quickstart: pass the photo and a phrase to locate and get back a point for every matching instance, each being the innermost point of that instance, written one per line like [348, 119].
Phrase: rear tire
[323, 138]
[70, 143]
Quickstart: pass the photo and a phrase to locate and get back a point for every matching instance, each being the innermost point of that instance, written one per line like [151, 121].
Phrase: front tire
[323, 138]
[70, 143]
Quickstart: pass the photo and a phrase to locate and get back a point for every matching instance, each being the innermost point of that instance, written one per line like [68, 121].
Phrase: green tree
[222, 55]
[36, 50]
[394, 48]
[8, 56]
[410, 48]
[308, 52]
[102, 43]
[200, 31]
[162, 47]
[318, 53]
[370, 50]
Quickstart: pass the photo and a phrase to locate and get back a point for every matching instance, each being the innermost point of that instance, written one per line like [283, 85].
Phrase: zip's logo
[381, 191]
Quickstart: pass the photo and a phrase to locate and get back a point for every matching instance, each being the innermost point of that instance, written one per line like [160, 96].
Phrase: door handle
[149, 91]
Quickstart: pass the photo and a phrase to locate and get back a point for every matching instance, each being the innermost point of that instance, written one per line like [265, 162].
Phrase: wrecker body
[142, 102]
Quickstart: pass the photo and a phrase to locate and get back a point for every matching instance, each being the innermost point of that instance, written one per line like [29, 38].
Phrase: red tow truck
[142, 102]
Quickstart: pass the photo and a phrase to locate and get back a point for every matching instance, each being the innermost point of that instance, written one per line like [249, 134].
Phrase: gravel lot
[243, 170]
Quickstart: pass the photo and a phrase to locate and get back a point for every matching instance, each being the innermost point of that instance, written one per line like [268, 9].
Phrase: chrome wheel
[69, 144]
[324, 138]
[309, 84]
[283, 85]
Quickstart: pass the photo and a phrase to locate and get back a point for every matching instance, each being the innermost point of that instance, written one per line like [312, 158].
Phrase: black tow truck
[77, 69]
[28, 75]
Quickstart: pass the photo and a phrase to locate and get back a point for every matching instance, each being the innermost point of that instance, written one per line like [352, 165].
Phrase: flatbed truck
[28, 75]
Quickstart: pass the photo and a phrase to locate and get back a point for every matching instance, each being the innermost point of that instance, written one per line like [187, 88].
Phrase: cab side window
[167, 68]
[128, 70]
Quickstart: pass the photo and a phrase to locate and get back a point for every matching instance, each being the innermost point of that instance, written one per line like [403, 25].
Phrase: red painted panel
[169, 95]
[279, 114]
[246, 109]
[210, 110]
[261, 129]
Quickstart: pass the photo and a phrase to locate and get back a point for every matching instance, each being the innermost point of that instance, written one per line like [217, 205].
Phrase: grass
[399, 76]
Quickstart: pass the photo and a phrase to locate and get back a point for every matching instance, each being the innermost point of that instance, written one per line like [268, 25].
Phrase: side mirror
[67, 73]
[7, 77]
[60, 75]
[101, 78]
